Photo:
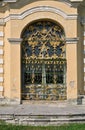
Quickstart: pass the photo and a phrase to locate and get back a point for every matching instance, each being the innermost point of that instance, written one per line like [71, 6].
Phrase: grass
[62, 127]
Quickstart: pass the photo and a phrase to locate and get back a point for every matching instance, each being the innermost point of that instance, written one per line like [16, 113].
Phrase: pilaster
[83, 24]
[72, 82]
[15, 69]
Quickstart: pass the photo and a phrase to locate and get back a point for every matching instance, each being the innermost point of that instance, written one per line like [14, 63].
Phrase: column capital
[15, 40]
[72, 40]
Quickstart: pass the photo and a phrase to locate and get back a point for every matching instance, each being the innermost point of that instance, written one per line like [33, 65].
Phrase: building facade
[42, 50]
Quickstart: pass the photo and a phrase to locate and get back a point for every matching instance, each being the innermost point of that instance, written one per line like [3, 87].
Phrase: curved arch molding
[39, 9]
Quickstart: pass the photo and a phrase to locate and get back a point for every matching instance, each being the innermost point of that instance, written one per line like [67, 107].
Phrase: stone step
[43, 119]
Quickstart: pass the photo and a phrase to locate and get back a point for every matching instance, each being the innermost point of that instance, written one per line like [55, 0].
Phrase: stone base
[72, 101]
[76, 101]
[79, 101]
[7, 101]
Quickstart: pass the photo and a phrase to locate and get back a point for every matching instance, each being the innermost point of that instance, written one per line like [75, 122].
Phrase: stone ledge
[15, 40]
[72, 40]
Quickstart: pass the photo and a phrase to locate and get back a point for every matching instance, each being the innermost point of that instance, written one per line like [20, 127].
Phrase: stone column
[15, 69]
[72, 81]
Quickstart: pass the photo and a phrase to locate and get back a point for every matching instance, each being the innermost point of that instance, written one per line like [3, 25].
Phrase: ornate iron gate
[43, 62]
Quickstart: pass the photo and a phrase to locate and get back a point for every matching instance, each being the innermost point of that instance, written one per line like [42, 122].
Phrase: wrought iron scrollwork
[44, 38]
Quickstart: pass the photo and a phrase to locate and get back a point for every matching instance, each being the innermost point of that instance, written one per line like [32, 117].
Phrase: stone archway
[43, 61]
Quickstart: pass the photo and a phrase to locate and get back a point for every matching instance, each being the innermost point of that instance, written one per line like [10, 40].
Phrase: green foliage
[2, 122]
[62, 127]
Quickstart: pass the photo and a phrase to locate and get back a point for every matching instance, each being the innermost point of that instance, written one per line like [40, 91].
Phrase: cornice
[5, 2]
[69, 2]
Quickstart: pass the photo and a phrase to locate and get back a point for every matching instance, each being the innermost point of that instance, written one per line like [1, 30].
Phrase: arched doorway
[43, 61]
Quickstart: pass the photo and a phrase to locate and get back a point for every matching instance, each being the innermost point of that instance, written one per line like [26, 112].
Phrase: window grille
[43, 62]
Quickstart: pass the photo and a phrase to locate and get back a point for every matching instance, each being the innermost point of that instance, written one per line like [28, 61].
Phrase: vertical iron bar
[43, 78]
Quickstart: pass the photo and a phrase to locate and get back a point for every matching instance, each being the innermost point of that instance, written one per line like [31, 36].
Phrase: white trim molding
[1, 70]
[15, 40]
[1, 43]
[1, 34]
[1, 61]
[1, 52]
[1, 79]
[40, 9]
[72, 40]
[1, 88]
